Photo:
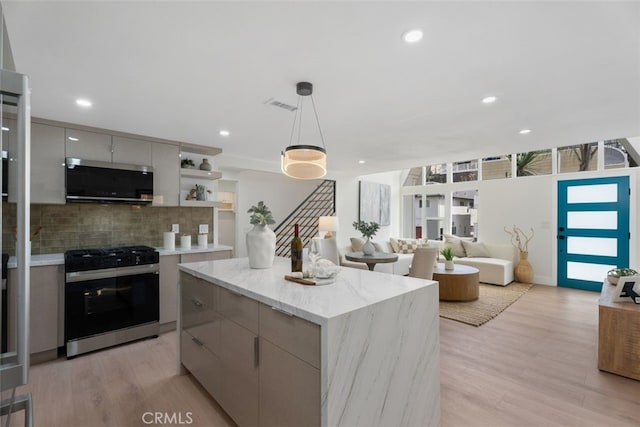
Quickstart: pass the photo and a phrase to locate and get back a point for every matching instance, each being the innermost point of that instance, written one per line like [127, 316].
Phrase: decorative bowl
[615, 273]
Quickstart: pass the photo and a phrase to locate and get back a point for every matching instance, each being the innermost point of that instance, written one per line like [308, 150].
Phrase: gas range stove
[109, 257]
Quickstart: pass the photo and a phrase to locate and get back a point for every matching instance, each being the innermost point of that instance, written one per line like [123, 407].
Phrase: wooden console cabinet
[618, 335]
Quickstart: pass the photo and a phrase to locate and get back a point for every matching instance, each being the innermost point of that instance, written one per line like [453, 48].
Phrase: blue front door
[593, 230]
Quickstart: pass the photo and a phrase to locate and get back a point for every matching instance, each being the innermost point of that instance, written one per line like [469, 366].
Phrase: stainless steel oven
[112, 297]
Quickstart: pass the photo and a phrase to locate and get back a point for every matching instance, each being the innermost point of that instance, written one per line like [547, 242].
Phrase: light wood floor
[533, 365]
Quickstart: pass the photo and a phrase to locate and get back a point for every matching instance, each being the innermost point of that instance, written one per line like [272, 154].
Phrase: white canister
[185, 242]
[202, 240]
[169, 240]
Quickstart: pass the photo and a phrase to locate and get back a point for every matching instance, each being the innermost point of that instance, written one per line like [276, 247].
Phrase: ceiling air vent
[276, 103]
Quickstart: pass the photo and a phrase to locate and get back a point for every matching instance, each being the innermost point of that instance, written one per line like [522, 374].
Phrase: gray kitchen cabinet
[47, 164]
[239, 390]
[131, 151]
[44, 309]
[289, 389]
[169, 288]
[205, 256]
[266, 363]
[45, 285]
[87, 145]
[165, 159]
[202, 363]
[169, 282]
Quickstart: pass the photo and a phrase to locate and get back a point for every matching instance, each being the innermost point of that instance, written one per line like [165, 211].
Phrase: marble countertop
[58, 259]
[352, 290]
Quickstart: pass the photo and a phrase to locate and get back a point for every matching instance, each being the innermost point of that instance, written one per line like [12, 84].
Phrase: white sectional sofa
[496, 270]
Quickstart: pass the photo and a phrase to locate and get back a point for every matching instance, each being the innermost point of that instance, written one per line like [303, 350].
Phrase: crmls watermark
[160, 418]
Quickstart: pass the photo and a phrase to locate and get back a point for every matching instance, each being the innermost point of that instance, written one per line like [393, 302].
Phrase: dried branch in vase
[519, 238]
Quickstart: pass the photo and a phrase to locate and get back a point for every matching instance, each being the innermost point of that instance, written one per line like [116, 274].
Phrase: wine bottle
[296, 251]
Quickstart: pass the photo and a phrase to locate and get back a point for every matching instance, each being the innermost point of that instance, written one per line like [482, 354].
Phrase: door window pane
[587, 271]
[496, 167]
[606, 220]
[598, 246]
[577, 158]
[601, 193]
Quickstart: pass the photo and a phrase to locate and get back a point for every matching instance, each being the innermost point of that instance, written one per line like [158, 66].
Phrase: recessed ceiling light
[71, 138]
[84, 102]
[224, 132]
[489, 99]
[525, 131]
[362, 162]
[4, 128]
[412, 36]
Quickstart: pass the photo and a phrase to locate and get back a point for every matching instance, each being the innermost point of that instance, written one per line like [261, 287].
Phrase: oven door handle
[109, 273]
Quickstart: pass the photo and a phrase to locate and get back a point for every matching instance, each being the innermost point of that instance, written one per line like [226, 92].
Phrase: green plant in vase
[368, 230]
[448, 254]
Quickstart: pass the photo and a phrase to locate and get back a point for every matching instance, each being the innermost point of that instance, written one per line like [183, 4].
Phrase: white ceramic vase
[448, 265]
[261, 246]
[367, 248]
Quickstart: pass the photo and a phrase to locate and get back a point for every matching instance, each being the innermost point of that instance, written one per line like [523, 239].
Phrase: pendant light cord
[318, 122]
[295, 119]
[299, 108]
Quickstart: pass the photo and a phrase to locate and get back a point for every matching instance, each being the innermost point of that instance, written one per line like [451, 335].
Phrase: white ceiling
[184, 70]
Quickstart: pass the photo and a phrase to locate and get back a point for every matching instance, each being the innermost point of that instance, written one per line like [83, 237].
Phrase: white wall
[532, 202]
[347, 204]
[280, 193]
[527, 202]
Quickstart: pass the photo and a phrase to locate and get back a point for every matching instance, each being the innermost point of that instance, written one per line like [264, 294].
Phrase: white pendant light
[302, 161]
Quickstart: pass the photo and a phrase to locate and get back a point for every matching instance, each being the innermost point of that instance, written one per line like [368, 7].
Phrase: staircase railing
[321, 202]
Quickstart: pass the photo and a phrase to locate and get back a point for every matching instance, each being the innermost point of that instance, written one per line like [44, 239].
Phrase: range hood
[106, 182]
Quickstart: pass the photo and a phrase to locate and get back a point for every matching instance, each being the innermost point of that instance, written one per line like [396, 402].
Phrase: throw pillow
[356, 244]
[455, 243]
[476, 250]
[409, 246]
[378, 247]
[394, 244]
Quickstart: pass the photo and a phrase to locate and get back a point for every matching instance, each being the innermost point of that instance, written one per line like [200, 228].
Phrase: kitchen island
[362, 351]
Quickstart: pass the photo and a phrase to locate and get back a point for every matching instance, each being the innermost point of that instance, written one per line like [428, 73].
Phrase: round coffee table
[459, 284]
[371, 260]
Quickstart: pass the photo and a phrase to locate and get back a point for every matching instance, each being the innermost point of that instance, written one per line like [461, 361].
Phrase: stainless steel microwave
[106, 182]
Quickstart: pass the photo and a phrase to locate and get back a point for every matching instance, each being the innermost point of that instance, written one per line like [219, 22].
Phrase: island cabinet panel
[240, 309]
[202, 363]
[289, 389]
[198, 302]
[361, 352]
[297, 336]
[239, 376]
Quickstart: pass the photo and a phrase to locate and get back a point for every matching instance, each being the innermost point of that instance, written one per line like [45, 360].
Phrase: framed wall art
[375, 202]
